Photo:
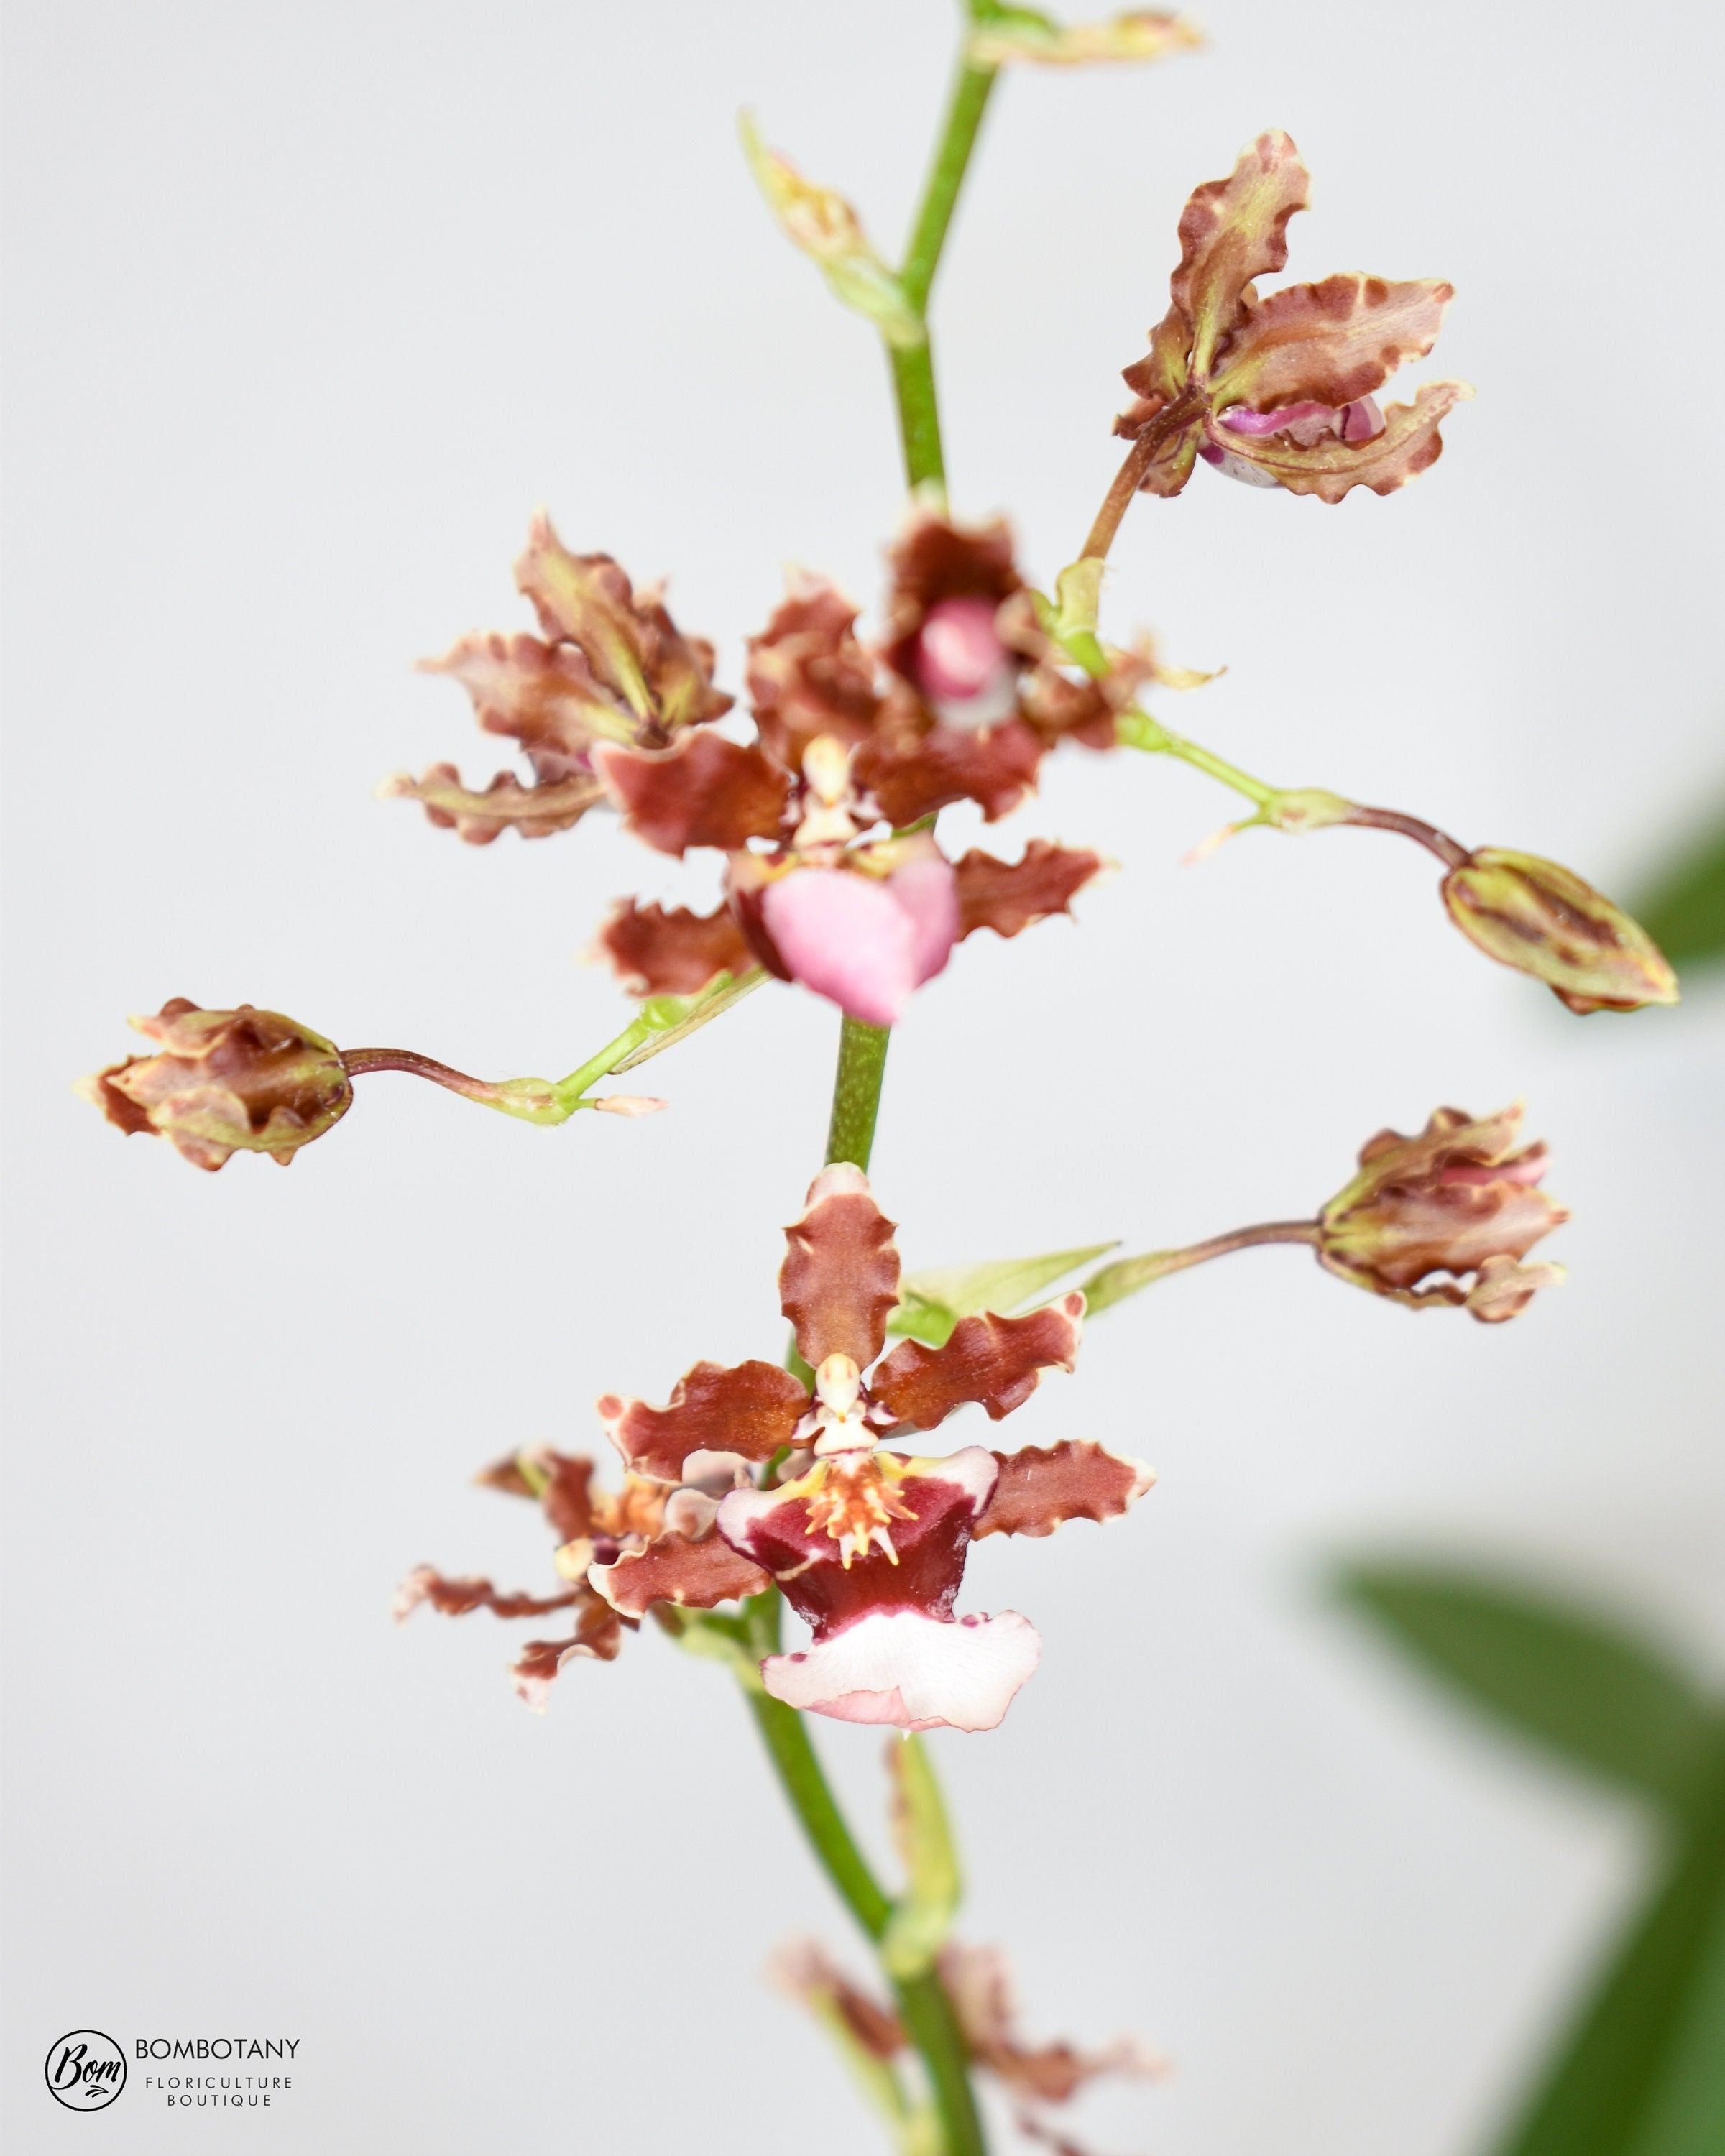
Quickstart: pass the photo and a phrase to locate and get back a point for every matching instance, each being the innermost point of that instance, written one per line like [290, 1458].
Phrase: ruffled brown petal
[996, 1362]
[598, 1637]
[1409, 444]
[543, 694]
[750, 1410]
[1231, 231]
[1159, 376]
[1502, 1289]
[560, 1482]
[912, 779]
[1008, 895]
[840, 1279]
[634, 648]
[1329, 342]
[703, 791]
[660, 952]
[1040, 1486]
[505, 805]
[978, 1981]
[458, 1598]
[693, 1574]
[807, 673]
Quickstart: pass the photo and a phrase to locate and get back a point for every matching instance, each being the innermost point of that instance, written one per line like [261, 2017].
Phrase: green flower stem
[923, 2005]
[1137, 729]
[805, 1784]
[913, 365]
[856, 1091]
[1127, 1275]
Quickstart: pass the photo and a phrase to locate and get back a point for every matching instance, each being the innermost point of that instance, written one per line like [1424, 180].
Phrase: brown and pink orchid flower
[1281, 390]
[964, 698]
[592, 1527]
[868, 1545]
[609, 665]
[824, 882]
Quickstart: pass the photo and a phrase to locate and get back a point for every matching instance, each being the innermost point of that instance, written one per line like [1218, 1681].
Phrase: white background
[310, 307]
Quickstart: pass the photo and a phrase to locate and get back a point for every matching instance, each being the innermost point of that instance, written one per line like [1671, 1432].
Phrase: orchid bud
[1543, 920]
[243, 1080]
[1458, 1198]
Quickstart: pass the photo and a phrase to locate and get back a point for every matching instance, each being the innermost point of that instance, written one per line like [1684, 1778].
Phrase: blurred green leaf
[1605, 1700]
[1643, 2073]
[933, 1302]
[1684, 912]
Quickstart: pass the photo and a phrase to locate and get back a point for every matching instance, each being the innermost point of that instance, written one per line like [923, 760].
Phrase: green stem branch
[913, 365]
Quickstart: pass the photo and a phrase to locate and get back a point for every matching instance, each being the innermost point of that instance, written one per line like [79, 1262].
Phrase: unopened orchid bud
[221, 1082]
[1543, 920]
[828, 231]
[1459, 1199]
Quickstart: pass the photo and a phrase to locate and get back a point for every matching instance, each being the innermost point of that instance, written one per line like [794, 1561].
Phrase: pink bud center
[960, 660]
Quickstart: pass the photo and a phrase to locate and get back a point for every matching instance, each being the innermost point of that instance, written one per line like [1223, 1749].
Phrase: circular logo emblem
[84, 2070]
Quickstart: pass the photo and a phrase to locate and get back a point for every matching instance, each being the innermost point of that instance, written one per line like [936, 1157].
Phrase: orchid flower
[1282, 391]
[867, 1546]
[592, 1527]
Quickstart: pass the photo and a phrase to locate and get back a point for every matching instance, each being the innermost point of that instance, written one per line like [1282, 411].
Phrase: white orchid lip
[909, 1670]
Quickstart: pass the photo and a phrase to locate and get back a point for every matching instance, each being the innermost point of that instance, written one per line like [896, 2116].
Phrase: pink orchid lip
[961, 666]
[864, 943]
[1356, 422]
[1527, 1171]
[904, 1669]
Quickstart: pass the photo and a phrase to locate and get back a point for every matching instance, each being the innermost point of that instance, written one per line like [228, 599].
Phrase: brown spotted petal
[1328, 343]
[670, 952]
[1232, 231]
[703, 791]
[693, 1572]
[1408, 444]
[1008, 896]
[750, 1410]
[995, 1362]
[1451, 1200]
[225, 1081]
[598, 1637]
[505, 805]
[1040, 1486]
[911, 775]
[809, 675]
[662, 677]
[840, 1279]
[459, 1598]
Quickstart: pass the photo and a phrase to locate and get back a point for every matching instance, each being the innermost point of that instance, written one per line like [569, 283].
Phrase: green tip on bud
[1542, 919]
